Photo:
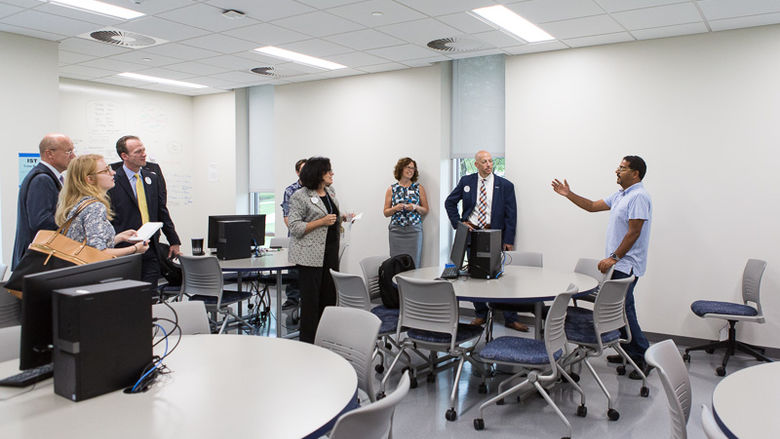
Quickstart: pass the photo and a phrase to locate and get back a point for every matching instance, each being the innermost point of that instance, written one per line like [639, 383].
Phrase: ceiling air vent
[121, 38]
[453, 44]
[268, 72]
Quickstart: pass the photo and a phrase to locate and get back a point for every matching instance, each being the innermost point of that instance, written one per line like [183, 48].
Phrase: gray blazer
[306, 206]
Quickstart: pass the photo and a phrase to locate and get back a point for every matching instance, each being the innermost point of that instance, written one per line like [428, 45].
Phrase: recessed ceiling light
[160, 80]
[96, 7]
[147, 59]
[377, 13]
[512, 23]
[232, 14]
[299, 58]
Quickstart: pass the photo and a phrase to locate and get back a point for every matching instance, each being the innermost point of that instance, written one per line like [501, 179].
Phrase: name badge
[467, 189]
[148, 180]
[315, 200]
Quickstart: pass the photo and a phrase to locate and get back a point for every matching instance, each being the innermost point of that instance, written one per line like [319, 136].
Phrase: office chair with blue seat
[733, 313]
[539, 360]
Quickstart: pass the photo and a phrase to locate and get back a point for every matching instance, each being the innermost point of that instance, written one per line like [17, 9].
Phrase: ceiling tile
[721, 9]
[220, 43]
[88, 47]
[474, 53]
[77, 14]
[316, 47]
[180, 51]
[196, 68]
[236, 76]
[166, 73]
[118, 80]
[465, 23]
[670, 31]
[546, 46]
[31, 32]
[206, 17]
[292, 69]
[424, 62]
[6, 10]
[112, 65]
[230, 62]
[157, 27]
[211, 82]
[264, 10]
[365, 39]
[402, 53]
[49, 23]
[420, 31]
[76, 71]
[392, 12]
[441, 7]
[582, 27]
[265, 34]
[498, 38]
[541, 11]
[318, 24]
[385, 67]
[595, 40]
[341, 73]
[659, 16]
[625, 5]
[72, 57]
[325, 4]
[149, 7]
[740, 22]
[357, 59]
[260, 59]
[144, 58]
[23, 3]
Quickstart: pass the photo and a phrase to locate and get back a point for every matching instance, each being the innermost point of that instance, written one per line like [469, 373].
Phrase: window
[264, 203]
[466, 167]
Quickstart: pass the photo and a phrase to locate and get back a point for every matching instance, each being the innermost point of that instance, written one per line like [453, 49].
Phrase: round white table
[220, 386]
[746, 402]
[518, 284]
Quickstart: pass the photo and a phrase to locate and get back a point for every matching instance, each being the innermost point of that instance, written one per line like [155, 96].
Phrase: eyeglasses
[623, 168]
[411, 168]
[105, 171]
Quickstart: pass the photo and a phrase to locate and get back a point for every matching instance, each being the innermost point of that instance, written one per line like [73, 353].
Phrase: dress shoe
[646, 368]
[479, 321]
[517, 326]
[614, 359]
[289, 304]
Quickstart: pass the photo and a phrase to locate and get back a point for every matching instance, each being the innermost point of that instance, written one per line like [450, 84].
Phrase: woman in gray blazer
[314, 242]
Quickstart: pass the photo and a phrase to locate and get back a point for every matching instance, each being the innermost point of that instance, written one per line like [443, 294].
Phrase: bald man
[39, 191]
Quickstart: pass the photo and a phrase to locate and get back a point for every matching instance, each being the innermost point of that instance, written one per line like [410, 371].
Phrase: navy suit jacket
[150, 166]
[503, 212]
[125, 205]
[35, 209]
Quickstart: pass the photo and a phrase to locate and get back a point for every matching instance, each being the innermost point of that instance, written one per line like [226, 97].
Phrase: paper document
[146, 231]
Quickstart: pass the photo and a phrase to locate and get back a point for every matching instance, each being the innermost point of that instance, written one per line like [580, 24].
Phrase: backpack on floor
[387, 270]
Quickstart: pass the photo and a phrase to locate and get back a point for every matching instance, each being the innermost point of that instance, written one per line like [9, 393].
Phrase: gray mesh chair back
[609, 312]
[751, 284]
[351, 333]
[429, 305]
[665, 357]
[373, 421]
[590, 267]
[351, 290]
[201, 276]
[10, 309]
[279, 242]
[710, 425]
[10, 337]
[525, 259]
[370, 267]
[191, 316]
[554, 325]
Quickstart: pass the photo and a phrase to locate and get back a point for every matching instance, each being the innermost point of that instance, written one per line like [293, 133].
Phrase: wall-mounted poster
[27, 161]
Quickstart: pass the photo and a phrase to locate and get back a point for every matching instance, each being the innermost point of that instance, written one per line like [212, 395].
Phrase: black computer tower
[102, 337]
[234, 240]
[485, 254]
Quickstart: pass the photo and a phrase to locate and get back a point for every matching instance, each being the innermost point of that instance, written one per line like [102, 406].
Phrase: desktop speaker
[102, 337]
[234, 240]
[485, 254]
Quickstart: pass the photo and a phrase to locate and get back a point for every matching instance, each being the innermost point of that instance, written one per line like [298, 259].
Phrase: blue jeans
[481, 309]
[639, 344]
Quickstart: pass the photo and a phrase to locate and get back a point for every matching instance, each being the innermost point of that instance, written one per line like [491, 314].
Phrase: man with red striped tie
[488, 203]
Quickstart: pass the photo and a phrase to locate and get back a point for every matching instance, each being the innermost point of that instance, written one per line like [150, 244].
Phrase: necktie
[482, 205]
[141, 195]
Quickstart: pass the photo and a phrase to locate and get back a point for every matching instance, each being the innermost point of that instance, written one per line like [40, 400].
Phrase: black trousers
[317, 292]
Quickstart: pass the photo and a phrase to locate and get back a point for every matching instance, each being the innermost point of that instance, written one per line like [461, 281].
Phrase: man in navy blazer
[500, 215]
[39, 192]
[124, 203]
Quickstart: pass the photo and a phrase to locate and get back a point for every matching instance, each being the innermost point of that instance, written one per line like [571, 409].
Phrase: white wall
[364, 124]
[703, 112]
[28, 111]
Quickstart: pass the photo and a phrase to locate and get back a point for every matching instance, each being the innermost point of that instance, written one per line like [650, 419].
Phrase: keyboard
[449, 273]
[29, 376]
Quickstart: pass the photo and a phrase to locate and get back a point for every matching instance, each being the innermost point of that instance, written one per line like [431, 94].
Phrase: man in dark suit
[137, 198]
[39, 192]
[488, 203]
[152, 167]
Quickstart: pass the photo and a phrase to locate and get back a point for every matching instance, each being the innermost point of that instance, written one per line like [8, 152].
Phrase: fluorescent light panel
[97, 7]
[299, 58]
[160, 80]
[512, 23]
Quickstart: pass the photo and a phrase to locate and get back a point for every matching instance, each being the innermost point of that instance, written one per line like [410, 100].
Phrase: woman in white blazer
[314, 242]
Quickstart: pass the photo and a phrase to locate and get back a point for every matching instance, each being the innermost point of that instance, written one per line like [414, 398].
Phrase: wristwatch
[614, 256]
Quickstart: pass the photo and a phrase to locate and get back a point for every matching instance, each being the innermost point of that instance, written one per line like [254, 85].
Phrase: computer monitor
[458, 251]
[256, 228]
[37, 291]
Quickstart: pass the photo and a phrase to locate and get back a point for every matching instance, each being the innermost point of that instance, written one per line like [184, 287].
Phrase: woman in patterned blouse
[406, 203]
[89, 178]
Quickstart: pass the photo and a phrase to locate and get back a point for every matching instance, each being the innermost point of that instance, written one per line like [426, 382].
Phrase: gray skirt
[406, 240]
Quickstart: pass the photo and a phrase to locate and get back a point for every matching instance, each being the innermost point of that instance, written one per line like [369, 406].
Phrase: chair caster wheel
[479, 424]
[413, 383]
[451, 414]
[500, 401]
[709, 351]
[686, 357]
[380, 395]
[721, 371]
[482, 388]
[575, 377]
[379, 368]
[431, 378]
[644, 392]
[621, 370]
[582, 411]
[613, 415]
[388, 346]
